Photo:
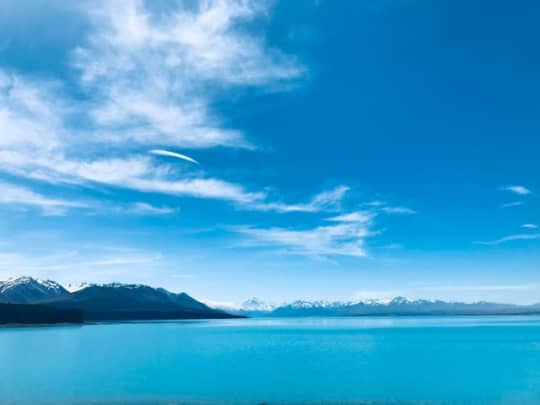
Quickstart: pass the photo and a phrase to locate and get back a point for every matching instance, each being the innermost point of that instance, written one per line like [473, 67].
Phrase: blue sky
[345, 150]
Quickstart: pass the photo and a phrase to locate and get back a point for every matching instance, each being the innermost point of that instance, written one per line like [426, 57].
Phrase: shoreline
[258, 318]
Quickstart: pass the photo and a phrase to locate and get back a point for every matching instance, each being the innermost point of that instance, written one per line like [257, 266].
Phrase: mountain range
[28, 300]
[395, 306]
[98, 302]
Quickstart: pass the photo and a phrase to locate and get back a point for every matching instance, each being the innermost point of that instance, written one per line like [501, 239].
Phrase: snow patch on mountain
[22, 290]
[78, 287]
[81, 286]
[256, 304]
[251, 305]
[29, 282]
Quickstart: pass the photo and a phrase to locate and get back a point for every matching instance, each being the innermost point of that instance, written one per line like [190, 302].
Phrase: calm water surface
[317, 360]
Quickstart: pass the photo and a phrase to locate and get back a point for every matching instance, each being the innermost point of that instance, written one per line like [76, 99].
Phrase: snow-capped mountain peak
[256, 304]
[400, 301]
[372, 301]
[27, 289]
[78, 287]
[31, 283]
[315, 304]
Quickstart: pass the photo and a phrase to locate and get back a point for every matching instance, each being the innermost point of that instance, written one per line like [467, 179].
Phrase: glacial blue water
[459, 360]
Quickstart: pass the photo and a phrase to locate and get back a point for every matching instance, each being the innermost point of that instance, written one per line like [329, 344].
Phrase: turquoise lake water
[480, 360]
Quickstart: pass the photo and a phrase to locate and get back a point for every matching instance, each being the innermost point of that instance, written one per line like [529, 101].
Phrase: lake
[484, 360]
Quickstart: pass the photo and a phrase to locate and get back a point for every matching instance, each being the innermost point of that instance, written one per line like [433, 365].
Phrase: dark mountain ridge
[128, 302]
[107, 302]
[26, 290]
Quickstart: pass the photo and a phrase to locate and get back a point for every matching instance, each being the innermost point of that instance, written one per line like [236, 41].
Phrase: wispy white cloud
[199, 188]
[161, 152]
[134, 172]
[387, 208]
[512, 204]
[375, 203]
[529, 226]
[330, 201]
[30, 114]
[398, 210]
[523, 236]
[148, 81]
[346, 238]
[326, 201]
[149, 78]
[521, 190]
[142, 208]
[337, 240]
[153, 70]
[23, 197]
[358, 216]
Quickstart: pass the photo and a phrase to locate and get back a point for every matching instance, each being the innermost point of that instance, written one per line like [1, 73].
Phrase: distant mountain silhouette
[403, 306]
[396, 306]
[108, 302]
